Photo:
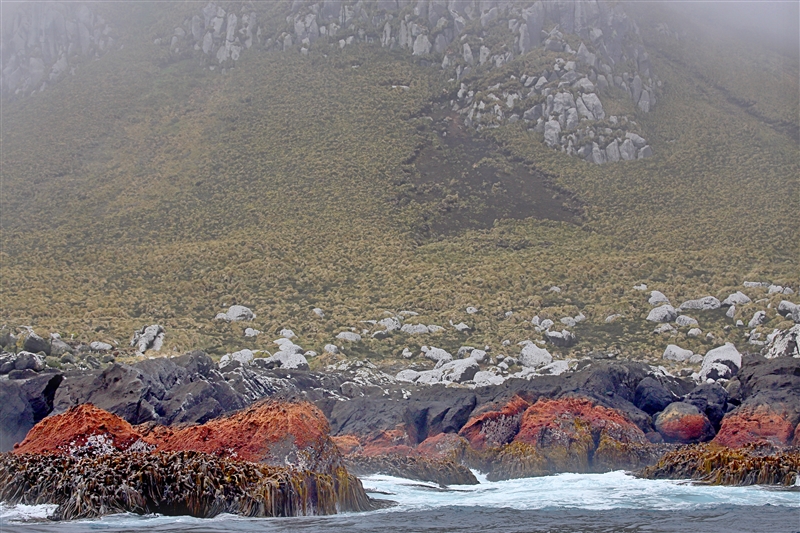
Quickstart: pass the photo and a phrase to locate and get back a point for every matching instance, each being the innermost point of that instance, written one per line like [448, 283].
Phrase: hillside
[149, 189]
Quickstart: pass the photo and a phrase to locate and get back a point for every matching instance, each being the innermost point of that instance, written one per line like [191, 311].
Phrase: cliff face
[44, 41]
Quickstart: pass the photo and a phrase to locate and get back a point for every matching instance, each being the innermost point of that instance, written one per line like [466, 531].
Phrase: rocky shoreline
[295, 440]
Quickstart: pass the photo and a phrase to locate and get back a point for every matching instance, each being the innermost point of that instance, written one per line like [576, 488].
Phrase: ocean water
[587, 503]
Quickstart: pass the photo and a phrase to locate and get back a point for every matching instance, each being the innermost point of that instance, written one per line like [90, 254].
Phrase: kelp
[719, 465]
[176, 483]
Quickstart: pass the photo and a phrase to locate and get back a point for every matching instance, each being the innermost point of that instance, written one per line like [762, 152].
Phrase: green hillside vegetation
[149, 189]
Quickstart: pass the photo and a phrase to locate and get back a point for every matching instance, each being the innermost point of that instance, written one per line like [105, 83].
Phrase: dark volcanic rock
[23, 403]
[651, 396]
[769, 392]
[183, 389]
[16, 414]
[711, 399]
[34, 343]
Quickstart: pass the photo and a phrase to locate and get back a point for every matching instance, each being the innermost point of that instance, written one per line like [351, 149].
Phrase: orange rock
[276, 433]
[758, 425]
[442, 446]
[495, 428]
[271, 432]
[57, 434]
[347, 444]
[550, 422]
[393, 441]
[683, 423]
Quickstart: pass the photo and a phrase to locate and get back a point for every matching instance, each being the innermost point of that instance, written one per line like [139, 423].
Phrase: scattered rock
[664, 313]
[785, 344]
[250, 332]
[236, 313]
[98, 346]
[563, 338]
[684, 321]
[676, 353]
[721, 362]
[349, 336]
[532, 356]
[694, 332]
[701, 304]
[415, 329]
[758, 318]
[657, 297]
[148, 338]
[736, 298]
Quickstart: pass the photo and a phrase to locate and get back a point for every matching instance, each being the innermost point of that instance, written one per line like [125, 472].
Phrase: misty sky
[776, 23]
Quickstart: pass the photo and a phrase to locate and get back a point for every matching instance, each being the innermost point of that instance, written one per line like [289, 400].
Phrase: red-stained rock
[550, 422]
[390, 442]
[347, 444]
[276, 433]
[755, 425]
[796, 440]
[442, 446]
[683, 423]
[495, 428]
[570, 435]
[60, 433]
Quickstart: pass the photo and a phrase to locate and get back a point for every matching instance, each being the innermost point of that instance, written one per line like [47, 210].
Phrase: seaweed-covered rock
[717, 465]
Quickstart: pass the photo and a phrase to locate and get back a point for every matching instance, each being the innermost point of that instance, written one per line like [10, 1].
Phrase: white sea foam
[25, 513]
[613, 490]
[587, 492]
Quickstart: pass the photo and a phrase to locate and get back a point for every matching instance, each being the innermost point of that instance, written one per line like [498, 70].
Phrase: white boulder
[349, 336]
[676, 353]
[665, 313]
[701, 304]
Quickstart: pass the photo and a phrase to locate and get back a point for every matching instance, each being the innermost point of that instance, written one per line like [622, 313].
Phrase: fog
[774, 24]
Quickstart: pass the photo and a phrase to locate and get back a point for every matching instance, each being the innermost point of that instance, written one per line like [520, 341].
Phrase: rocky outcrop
[79, 429]
[148, 338]
[252, 463]
[23, 403]
[768, 394]
[442, 471]
[760, 424]
[274, 433]
[45, 41]
[571, 434]
[683, 423]
[717, 465]
[562, 102]
[168, 483]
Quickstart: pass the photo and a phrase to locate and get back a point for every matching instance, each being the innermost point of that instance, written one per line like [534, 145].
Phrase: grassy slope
[144, 191]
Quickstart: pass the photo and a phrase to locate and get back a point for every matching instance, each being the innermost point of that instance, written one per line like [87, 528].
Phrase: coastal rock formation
[441, 471]
[718, 465]
[94, 485]
[761, 424]
[683, 423]
[571, 434]
[274, 433]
